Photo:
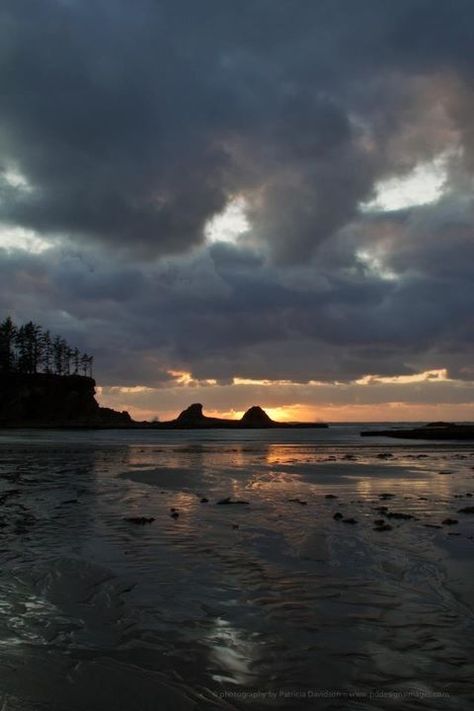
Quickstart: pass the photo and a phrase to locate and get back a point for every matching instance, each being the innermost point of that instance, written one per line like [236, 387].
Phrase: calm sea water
[269, 604]
[337, 434]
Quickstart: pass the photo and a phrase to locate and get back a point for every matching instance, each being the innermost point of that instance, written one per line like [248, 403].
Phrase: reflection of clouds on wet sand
[232, 653]
[273, 593]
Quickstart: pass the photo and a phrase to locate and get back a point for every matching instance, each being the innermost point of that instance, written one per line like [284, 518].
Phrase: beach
[238, 570]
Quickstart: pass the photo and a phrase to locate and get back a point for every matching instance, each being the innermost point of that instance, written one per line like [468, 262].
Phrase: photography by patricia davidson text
[300, 693]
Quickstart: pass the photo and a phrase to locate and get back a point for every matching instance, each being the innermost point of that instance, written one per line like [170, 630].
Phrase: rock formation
[432, 431]
[254, 418]
[49, 400]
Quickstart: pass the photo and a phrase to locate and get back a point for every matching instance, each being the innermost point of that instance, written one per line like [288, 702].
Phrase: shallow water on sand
[269, 604]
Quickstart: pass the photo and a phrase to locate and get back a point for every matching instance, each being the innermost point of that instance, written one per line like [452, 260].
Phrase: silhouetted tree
[86, 365]
[8, 332]
[76, 360]
[46, 352]
[29, 349]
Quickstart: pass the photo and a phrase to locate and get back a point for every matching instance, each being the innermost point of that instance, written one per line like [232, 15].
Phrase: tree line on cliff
[28, 349]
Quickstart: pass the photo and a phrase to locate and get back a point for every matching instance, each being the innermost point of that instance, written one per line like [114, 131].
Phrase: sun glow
[17, 238]
[183, 377]
[425, 184]
[229, 224]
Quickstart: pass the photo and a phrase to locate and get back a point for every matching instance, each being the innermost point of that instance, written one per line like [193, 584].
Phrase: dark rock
[398, 515]
[384, 497]
[440, 424]
[228, 501]
[338, 516]
[204, 500]
[330, 496]
[256, 417]
[174, 514]
[467, 510]
[45, 399]
[442, 431]
[140, 520]
[192, 416]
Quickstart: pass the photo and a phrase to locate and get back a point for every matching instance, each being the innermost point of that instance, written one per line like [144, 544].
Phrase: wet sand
[273, 603]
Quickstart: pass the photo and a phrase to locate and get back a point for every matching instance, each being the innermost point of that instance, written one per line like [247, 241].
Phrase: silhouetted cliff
[43, 399]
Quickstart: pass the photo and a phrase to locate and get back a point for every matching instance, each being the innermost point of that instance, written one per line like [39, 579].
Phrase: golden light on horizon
[427, 375]
[184, 377]
[424, 396]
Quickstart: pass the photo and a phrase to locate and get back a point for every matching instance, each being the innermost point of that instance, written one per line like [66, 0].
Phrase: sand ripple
[271, 605]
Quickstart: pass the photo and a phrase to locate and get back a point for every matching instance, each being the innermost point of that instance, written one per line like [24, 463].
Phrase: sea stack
[256, 417]
[192, 416]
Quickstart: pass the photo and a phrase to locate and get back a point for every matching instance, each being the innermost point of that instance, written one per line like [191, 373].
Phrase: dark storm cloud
[223, 312]
[134, 122]
[124, 127]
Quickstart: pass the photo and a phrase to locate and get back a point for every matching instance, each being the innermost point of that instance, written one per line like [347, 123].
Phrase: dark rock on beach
[228, 501]
[431, 431]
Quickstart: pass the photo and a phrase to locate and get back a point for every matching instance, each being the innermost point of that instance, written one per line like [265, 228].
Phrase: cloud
[126, 128]
[133, 126]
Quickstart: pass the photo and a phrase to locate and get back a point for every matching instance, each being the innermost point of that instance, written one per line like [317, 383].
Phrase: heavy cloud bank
[125, 128]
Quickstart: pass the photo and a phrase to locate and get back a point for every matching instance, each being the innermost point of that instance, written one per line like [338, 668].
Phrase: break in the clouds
[267, 190]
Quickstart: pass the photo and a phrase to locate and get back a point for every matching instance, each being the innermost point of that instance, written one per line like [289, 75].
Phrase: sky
[241, 202]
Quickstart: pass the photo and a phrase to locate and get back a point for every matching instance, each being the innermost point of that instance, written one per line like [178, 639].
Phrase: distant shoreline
[432, 431]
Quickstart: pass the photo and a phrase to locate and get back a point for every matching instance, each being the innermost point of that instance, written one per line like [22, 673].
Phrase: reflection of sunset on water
[274, 556]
